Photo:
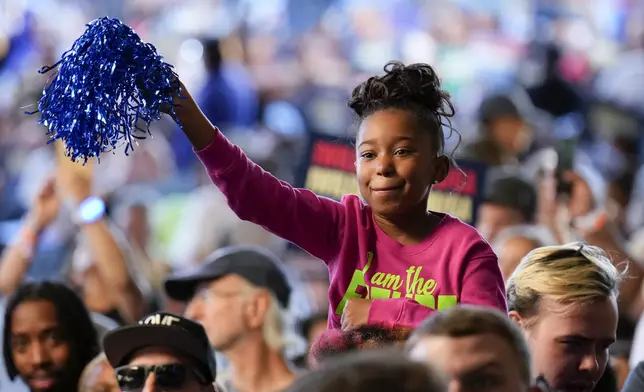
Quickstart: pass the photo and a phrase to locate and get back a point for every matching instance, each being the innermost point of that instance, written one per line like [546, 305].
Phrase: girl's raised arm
[312, 222]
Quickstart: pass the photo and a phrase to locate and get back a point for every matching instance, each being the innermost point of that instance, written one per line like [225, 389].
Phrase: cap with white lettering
[163, 330]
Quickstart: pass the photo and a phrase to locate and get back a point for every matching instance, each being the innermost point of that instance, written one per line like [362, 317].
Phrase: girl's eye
[402, 151]
[367, 155]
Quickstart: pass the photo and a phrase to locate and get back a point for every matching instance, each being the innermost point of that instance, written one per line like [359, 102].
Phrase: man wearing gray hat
[239, 295]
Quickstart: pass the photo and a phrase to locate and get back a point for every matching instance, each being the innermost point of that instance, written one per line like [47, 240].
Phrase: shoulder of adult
[635, 380]
[103, 324]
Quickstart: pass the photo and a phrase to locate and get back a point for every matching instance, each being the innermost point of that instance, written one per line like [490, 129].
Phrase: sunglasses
[167, 376]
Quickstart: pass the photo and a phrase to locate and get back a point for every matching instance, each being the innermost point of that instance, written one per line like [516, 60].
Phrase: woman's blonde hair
[574, 273]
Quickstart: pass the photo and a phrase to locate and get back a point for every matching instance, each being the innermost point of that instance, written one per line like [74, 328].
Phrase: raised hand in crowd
[577, 213]
[597, 225]
[579, 216]
[108, 285]
[45, 206]
[16, 259]
[72, 186]
[581, 201]
[558, 211]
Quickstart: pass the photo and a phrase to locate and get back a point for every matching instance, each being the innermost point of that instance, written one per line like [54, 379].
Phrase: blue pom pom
[107, 90]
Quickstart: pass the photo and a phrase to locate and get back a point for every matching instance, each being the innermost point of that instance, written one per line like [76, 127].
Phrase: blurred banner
[329, 170]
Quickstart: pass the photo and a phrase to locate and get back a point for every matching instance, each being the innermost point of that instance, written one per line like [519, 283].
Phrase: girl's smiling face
[397, 162]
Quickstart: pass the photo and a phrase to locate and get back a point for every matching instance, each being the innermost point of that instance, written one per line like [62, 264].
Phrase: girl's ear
[441, 168]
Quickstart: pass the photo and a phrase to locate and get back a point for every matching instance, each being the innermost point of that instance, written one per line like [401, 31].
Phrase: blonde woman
[564, 298]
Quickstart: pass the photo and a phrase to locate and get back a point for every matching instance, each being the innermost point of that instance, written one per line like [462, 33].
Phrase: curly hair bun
[414, 86]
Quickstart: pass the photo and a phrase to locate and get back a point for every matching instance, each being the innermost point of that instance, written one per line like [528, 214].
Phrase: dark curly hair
[414, 88]
[75, 323]
[335, 342]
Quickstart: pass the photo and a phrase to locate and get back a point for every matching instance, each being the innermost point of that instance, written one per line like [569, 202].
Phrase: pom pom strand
[105, 91]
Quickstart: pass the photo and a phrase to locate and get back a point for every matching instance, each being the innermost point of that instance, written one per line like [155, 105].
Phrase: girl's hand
[356, 313]
[45, 207]
[177, 100]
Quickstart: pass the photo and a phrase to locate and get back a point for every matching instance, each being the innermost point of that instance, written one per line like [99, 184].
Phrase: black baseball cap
[166, 330]
[497, 106]
[256, 265]
[513, 192]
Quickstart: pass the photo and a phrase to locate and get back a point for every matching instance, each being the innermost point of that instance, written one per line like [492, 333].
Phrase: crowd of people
[146, 272]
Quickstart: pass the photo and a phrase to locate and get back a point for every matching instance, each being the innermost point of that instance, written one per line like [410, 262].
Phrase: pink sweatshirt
[406, 282]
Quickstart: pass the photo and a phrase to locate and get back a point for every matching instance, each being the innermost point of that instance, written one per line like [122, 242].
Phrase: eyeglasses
[167, 376]
[207, 294]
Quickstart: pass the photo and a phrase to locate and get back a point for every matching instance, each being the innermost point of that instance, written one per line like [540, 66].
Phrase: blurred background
[524, 74]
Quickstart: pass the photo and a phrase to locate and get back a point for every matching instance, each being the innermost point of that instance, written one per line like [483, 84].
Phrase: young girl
[391, 262]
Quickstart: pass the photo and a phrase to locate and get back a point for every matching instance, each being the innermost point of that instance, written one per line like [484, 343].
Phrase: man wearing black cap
[162, 352]
[505, 133]
[239, 295]
[509, 200]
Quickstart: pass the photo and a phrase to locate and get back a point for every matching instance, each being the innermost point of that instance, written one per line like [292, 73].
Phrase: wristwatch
[89, 210]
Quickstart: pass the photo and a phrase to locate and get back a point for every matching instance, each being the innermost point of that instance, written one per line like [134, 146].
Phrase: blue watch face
[91, 209]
